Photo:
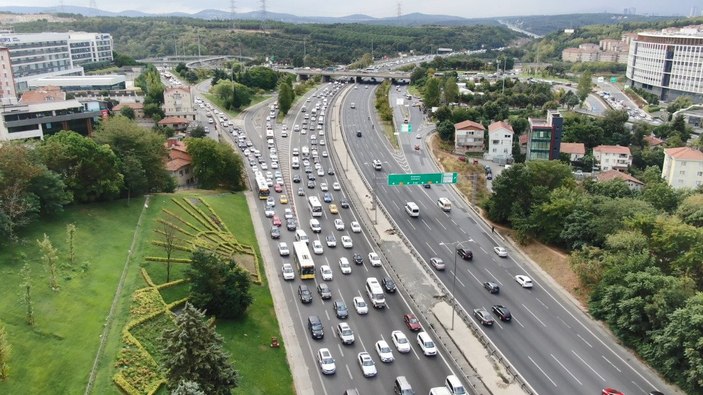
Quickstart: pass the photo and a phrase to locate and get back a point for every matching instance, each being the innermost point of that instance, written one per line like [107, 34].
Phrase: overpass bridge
[208, 61]
[357, 75]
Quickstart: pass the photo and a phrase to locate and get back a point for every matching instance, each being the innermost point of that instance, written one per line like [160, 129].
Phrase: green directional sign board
[422, 178]
[613, 79]
[406, 128]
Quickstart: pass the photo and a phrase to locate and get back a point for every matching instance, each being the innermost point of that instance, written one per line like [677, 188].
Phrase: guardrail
[447, 295]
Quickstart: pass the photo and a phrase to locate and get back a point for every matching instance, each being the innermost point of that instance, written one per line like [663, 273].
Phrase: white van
[305, 151]
[295, 163]
[440, 391]
[300, 235]
[454, 386]
[375, 292]
[315, 225]
[412, 209]
[444, 203]
[269, 133]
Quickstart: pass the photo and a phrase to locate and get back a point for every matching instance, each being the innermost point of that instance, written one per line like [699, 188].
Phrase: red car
[276, 220]
[611, 391]
[412, 323]
[278, 188]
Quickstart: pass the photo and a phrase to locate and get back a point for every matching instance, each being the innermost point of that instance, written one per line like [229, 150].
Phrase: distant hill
[545, 24]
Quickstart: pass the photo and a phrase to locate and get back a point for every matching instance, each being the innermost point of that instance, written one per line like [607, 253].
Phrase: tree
[71, 241]
[194, 352]
[451, 90]
[90, 171]
[186, 387]
[134, 175]
[691, 210]
[584, 86]
[198, 132]
[221, 288]
[127, 112]
[215, 165]
[26, 296]
[169, 245]
[50, 258]
[285, 98]
[431, 94]
[5, 352]
[445, 130]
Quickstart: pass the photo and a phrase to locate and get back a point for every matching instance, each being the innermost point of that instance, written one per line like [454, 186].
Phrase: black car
[291, 224]
[466, 255]
[491, 287]
[388, 284]
[489, 176]
[427, 186]
[358, 259]
[304, 294]
[275, 232]
[340, 309]
[330, 171]
[308, 169]
[502, 312]
[358, 133]
[296, 178]
[324, 291]
[483, 317]
[315, 327]
[344, 203]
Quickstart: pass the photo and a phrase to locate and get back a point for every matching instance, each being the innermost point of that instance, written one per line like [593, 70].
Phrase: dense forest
[297, 44]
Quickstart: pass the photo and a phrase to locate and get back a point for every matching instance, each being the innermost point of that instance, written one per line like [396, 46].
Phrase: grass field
[57, 354]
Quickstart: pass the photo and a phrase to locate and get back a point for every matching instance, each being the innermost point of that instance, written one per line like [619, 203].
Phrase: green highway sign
[613, 79]
[406, 128]
[422, 178]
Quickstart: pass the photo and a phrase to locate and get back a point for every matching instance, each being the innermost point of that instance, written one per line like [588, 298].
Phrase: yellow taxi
[333, 209]
[284, 199]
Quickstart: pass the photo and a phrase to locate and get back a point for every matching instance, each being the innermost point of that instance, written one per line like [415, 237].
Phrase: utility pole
[263, 14]
[232, 10]
[304, 51]
[198, 43]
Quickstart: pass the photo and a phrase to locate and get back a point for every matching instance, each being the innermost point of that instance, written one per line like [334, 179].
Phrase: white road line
[341, 351]
[519, 323]
[641, 389]
[457, 279]
[533, 314]
[454, 222]
[540, 369]
[348, 371]
[494, 277]
[542, 303]
[611, 364]
[447, 247]
[463, 231]
[441, 224]
[584, 340]
[564, 322]
[396, 204]
[589, 366]
[426, 224]
[567, 370]
[411, 224]
[431, 249]
[481, 248]
[475, 278]
[327, 314]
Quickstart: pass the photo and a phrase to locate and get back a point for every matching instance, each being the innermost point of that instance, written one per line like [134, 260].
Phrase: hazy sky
[386, 8]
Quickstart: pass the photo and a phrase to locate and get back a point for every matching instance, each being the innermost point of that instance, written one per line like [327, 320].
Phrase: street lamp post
[456, 245]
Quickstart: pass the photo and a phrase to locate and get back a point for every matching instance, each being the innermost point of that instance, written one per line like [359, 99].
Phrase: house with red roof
[631, 181]
[468, 137]
[179, 163]
[683, 167]
[612, 157]
[576, 151]
[176, 123]
[653, 141]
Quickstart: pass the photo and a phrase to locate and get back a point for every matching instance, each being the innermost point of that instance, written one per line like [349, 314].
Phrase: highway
[422, 372]
[551, 342]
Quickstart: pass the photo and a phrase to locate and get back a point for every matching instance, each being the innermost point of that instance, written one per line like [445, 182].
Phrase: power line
[233, 12]
[263, 14]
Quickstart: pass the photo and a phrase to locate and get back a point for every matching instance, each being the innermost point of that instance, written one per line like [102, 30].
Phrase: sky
[389, 8]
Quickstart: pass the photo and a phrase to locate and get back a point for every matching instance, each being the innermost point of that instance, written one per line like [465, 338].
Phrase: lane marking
[611, 364]
[589, 366]
[533, 314]
[584, 340]
[543, 372]
[567, 370]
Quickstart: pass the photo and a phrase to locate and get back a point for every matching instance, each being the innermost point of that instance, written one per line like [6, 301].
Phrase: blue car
[328, 197]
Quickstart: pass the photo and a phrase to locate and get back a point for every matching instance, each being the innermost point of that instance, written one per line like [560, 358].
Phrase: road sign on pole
[406, 128]
[422, 178]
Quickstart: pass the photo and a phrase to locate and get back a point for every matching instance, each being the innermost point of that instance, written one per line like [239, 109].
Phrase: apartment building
[468, 137]
[500, 142]
[8, 93]
[612, 157]
[544, 137]
[178, 102]
[683, 167]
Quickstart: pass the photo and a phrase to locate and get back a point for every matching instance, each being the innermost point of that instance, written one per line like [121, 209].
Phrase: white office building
[668, 63]
[36, 55]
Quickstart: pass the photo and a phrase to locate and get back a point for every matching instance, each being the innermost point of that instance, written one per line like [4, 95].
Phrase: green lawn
[256, 99]
[56, 355]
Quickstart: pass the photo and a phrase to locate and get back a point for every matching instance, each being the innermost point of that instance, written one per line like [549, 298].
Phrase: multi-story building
[468, 137]
[35, 55]
[668, 63]
[683, 167]
[179, 162]
[178, 102]
[608, 50]
[8, 94]
[614, 157]
[544, 137]
[576, 151]
[500, 141]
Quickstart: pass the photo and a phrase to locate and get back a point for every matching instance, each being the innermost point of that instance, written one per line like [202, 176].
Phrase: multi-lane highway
[550, 341]
[422, 372]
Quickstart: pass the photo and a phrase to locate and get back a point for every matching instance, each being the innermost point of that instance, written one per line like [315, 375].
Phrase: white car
[288, 213]
[344, 265]
[326, 362]
[269, 212]
[501, 251]
[368, 367]
[360, 305]
[347, 242]
[524, 281]
[323, 186]
[274, 165]
[283, 249]
[317, 247]
[437, 263]
[345, 333]
[339, 224]
[288, 272]
[355, 227]
[401, 341]
[426, 344]
[331, 241]
[321, 173]
[324, 154]
[326, 272]
[374, 259]
[384, 351]
[336, 185]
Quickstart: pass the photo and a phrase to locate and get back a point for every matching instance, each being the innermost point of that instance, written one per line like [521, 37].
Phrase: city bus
[303, 260]
[262, 187]
[315, 206]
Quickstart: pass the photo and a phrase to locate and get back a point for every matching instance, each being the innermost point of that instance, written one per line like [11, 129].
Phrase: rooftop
[468, 124]
[614, 174]
[173, 121]
[573, 148]
[612, 149]
[497, 125]
[684, 153]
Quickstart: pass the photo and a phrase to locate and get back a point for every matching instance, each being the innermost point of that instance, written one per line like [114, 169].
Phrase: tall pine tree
[194, 353]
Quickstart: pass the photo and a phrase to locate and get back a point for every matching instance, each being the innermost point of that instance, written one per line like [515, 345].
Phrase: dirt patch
[246, 262]
[474, 191]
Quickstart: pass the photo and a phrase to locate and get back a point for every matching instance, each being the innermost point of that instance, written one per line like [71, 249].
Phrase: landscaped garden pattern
[197, 225]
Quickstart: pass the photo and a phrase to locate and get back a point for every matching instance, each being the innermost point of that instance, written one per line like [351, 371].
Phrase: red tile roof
[573, 148]
[684, 153]
[468, 125]
[173, 121]
[43, 95]
[653, 140]
[613, 174]
[176, 164]
[499, 125]
[612, 149]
